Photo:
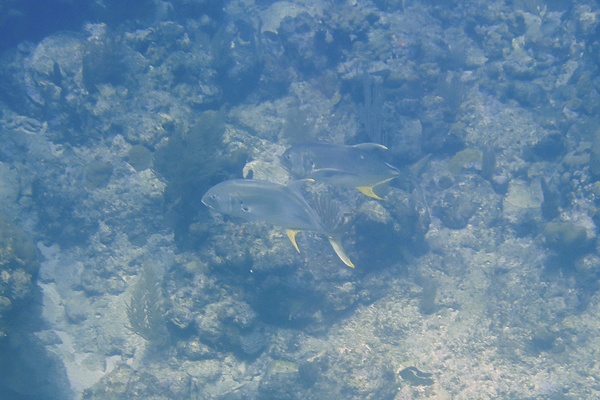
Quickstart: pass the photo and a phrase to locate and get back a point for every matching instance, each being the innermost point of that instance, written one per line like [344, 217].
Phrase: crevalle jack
[279, 205]
[357, 166]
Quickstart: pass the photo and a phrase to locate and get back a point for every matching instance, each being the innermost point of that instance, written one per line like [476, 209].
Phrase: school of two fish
[357, 166]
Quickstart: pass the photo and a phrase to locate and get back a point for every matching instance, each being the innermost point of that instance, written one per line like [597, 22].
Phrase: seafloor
[476, 276]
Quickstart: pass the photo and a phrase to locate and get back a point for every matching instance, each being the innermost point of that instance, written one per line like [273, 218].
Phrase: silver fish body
[256, 200]
[355, 166]
[263, 201]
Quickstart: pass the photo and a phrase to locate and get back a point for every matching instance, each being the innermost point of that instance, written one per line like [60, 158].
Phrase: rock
[566, 238]
[522, 204]
[595, 156]
[281, 381]
[10, 189]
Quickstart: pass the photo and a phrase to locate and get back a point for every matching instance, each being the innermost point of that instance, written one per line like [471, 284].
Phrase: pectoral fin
[368, 191]
[336, 243]
[291, 234]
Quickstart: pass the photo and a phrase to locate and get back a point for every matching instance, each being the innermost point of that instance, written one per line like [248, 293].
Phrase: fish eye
[243, 207]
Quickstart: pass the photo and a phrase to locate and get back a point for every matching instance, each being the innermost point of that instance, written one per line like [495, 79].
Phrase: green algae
[139, 157]
[464, 159]
[145, 310]
[98, 174]
[565, 237]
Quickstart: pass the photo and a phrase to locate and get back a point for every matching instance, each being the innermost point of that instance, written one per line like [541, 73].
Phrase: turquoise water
[474, 251]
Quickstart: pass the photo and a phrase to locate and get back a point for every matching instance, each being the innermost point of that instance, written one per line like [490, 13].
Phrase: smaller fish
[355, 166]
[256, 200]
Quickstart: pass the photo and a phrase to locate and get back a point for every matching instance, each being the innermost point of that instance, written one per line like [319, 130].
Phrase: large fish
[355, 166]
[255, 200]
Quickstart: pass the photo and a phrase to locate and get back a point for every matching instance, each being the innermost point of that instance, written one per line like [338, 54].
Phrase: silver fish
[255, 200]
[355, 166]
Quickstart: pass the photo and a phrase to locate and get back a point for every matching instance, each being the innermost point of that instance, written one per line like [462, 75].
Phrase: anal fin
[336, 243]
[291, 234]
[368, 191]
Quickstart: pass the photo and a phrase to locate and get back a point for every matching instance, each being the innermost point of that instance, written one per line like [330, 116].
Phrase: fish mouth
[206, 200]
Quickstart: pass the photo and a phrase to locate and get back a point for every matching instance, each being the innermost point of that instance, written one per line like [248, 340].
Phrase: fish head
[215, 199]
[244, 198]
[298, 162]
[224, 198]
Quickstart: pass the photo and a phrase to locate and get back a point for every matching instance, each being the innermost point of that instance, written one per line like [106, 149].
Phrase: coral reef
[476, 274]
[19, 266]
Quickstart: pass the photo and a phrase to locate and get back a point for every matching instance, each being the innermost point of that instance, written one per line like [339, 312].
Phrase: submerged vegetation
[145, 310]
[192, 160]
[113, 135]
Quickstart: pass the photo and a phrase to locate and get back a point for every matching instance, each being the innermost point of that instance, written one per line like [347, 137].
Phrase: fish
[280, 205]
[356, 166]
